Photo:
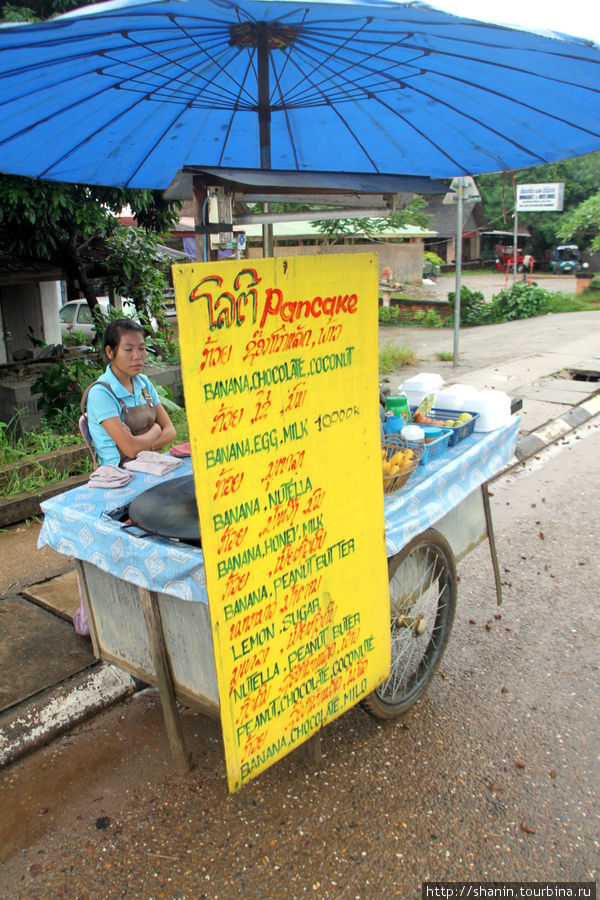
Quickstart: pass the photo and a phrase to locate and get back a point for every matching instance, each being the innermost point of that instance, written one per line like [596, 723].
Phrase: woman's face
[129, 356]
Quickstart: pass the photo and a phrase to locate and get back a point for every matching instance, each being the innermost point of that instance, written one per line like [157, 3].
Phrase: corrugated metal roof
[307, 230]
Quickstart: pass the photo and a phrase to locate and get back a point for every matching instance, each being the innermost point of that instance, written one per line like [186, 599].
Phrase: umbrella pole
[458, 266]
[264, 123]
[515, 243]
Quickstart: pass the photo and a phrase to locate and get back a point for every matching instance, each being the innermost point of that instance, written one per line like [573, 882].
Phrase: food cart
[146, 599]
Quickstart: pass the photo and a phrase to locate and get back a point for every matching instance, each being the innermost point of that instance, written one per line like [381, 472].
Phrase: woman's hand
[161, 433]
[131, 444]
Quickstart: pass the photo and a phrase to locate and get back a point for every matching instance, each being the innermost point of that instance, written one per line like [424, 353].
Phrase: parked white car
[76, 316]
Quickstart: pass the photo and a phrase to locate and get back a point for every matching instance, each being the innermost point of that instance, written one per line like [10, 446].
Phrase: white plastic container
[413, 433]
[456, 396]
[420, 386]
[493, 408]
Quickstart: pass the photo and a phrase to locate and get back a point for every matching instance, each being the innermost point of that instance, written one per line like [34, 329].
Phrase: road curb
[554, 430]
[52, 712]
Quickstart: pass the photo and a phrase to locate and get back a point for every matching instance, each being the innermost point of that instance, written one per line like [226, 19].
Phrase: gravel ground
[492, 776]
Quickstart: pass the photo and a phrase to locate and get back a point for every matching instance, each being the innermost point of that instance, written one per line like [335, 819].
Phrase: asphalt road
[493, 776]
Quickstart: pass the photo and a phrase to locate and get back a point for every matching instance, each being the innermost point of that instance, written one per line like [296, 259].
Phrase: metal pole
[515, 245]
[264, 122]
[458, 254]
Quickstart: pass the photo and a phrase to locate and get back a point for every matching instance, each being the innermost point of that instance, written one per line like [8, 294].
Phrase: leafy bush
[430, 256]
[594, 284]
[429, 318]
[61, 387]
[473, 308]
[388, 315]
[521, 301]
[431, 264]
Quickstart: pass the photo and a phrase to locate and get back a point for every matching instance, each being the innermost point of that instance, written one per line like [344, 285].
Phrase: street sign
[470, 192]
[540, 197]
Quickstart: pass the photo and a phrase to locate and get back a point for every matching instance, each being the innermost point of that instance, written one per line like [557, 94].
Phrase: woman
[124, 413]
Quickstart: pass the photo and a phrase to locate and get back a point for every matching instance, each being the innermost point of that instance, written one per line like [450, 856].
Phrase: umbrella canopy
[127, 93]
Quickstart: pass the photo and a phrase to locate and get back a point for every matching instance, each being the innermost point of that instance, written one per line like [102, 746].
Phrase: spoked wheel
[422, 607]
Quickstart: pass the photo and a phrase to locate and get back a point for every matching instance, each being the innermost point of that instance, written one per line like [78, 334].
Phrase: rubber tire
[433, 543]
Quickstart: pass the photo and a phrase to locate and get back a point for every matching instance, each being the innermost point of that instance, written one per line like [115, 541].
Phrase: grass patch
[393, 357]
[14, 448]
[42, 476]
[180, 422]
[445, 355]
[559, 302]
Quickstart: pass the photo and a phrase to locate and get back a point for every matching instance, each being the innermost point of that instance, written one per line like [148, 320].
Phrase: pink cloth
[181, 449]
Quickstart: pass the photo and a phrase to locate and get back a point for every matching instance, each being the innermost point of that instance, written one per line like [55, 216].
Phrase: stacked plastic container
[493, 407]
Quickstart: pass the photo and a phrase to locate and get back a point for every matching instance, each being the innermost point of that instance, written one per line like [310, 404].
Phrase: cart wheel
[422, 607]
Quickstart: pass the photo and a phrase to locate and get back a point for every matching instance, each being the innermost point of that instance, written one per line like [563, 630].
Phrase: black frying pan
[168, 509]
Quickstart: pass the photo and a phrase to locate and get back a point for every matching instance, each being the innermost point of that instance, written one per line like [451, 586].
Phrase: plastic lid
[413, 433]
[424, 381]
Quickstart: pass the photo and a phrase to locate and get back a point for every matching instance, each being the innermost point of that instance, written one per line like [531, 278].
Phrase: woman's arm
[161, 433]
[131, 444]
[167, 435]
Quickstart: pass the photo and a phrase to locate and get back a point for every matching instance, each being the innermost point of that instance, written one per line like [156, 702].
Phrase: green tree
[411, 214]
[580, 175]
[583, 223]
[37, 10]
[55, 222]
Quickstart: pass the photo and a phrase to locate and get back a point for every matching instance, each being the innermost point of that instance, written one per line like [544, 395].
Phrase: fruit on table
[399, 460]
[454, 423]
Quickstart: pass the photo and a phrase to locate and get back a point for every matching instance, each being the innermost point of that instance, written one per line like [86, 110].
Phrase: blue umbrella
[128, 92]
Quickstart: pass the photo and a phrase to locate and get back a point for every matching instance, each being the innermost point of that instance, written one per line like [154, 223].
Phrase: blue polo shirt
[101, 405]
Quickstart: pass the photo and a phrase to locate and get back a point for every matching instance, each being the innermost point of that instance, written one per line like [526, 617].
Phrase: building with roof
[400, 249]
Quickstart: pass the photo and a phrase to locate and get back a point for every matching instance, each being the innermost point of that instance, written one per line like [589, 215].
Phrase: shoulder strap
[147, 397]
[146, 394]
[84, 396]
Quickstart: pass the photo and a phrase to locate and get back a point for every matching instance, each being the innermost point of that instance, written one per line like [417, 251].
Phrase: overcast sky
[577, 17]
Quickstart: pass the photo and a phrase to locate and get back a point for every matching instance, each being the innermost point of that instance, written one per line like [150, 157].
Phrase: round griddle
[168, 509]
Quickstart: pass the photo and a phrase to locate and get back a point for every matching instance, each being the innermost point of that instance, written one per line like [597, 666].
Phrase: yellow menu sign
[280, 374]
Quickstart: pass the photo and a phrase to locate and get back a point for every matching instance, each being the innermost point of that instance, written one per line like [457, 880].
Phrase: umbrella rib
[54, 113]
[332, 54]
[284, 109]
[212, 59]
[385, 46]
[98, 130]
[172, 62]
[437, 146]
[488, 127]
[400, 83]
[148, 89]
[235, 109]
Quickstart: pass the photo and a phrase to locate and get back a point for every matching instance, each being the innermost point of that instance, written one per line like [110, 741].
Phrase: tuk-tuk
[504, 258]
[566, 258]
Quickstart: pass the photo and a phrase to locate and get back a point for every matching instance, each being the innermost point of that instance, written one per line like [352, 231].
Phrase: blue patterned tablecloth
[441, 484]
[79, 522]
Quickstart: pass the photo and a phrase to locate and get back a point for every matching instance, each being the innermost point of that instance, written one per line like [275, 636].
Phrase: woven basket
[391, 445]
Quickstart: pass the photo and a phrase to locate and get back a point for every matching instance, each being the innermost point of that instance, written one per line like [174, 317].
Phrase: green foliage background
[581, 177]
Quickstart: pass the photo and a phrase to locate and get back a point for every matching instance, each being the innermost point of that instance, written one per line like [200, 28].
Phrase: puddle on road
[84, 775]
